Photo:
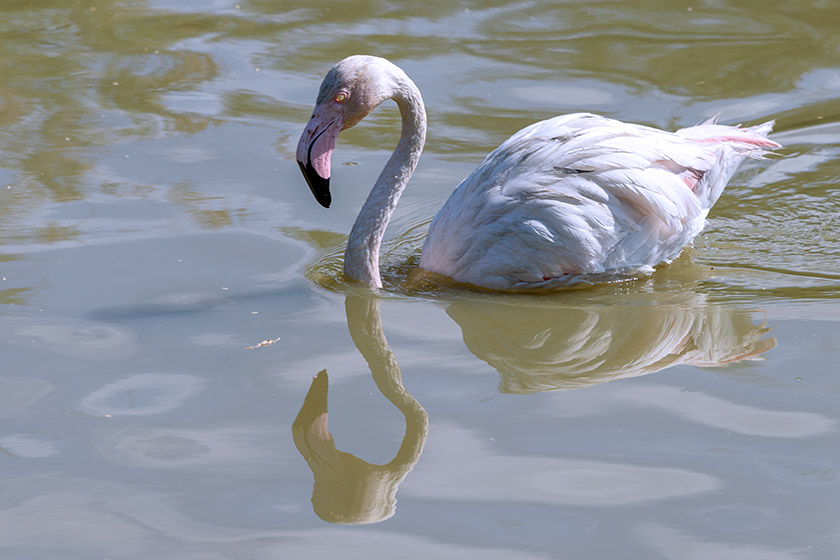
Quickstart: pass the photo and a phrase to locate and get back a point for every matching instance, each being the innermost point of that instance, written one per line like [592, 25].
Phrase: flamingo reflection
[348, 489]
[538, 344]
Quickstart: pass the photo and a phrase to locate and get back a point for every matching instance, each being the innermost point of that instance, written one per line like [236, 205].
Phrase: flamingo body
[575, 198]
[582, 195]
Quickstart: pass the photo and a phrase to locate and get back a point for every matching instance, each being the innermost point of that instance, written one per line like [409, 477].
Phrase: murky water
[169, 290]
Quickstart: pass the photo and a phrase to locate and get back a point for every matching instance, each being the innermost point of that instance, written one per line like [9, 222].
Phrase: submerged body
[573, 198]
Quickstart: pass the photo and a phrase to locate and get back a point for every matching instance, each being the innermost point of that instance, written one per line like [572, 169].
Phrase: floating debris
[267, 342]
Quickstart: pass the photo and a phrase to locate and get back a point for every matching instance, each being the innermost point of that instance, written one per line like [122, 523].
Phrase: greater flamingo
[578, 197]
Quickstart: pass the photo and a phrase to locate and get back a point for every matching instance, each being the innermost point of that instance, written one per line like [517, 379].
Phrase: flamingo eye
[341, 97]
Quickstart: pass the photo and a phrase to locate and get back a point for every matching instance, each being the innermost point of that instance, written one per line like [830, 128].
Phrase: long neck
[361, 260]
[365, 323]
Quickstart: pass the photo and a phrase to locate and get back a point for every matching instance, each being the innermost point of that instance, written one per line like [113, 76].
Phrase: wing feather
[584, 194]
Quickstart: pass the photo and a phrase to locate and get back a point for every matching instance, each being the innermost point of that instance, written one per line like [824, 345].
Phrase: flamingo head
[349, 92]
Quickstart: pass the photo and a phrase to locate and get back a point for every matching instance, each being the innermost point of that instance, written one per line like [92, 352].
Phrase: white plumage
[578, 197]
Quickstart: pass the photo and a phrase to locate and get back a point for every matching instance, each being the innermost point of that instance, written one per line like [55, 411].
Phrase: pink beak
[315, 148]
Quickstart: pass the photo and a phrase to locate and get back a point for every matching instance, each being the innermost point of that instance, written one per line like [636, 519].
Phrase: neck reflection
[348, 489]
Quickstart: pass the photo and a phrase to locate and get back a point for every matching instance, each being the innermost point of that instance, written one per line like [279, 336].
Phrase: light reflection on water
[142, 395]
[153, 225]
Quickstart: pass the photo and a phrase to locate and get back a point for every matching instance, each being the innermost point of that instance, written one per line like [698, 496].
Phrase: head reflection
[348, 489]
[546, 344]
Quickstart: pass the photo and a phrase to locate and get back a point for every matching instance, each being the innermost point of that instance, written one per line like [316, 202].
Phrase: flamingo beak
[319, 186]
[314, 149]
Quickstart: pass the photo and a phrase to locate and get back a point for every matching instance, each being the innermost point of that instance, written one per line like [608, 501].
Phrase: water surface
[170, 293]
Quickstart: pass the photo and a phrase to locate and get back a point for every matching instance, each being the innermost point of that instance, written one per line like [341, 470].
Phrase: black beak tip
[319, 186]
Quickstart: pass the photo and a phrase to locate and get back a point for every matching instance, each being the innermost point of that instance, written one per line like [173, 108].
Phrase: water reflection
[536, 344]
[132, 132]
[723, 414]
[672, 543]
[460, 465]
[348, 489]
[143, 394]
[548, 343]
[76, 338]
[27, 446]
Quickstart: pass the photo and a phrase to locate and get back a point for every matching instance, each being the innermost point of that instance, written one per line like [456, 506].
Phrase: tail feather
[743, 142]
[762, 129]
[753, 138]
[711, 120]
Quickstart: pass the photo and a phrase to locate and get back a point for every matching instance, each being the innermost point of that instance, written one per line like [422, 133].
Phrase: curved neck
[365, 324]
[361, 259]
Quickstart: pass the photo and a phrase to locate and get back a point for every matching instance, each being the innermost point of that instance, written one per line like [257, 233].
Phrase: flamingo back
[581, 195]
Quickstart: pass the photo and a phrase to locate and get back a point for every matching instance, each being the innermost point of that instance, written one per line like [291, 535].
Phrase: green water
[169, 288]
